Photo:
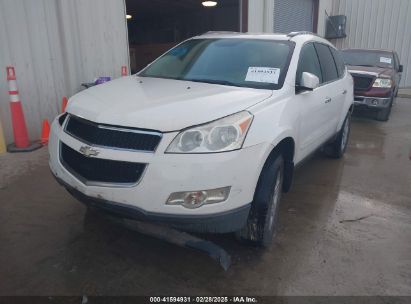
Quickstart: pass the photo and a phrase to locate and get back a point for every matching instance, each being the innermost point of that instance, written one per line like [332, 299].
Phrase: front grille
[362, 82]
[97, 171]
[112, 136]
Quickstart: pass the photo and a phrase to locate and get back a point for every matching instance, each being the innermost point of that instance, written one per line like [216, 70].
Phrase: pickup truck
[377, 75]
[207, 136]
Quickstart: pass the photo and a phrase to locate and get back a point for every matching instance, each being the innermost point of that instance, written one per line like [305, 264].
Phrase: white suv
[206, 137]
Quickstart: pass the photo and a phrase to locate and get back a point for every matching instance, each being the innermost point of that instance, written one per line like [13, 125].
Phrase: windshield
[253, 63]
[368, 58]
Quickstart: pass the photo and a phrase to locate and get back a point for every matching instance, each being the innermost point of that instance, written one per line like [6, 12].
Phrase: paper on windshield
[263, 74]
[385, 60]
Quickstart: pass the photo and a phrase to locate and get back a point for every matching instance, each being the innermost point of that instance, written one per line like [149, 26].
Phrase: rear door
[333, 88]
[342, 85]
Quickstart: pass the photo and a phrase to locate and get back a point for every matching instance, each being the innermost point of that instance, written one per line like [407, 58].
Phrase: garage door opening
[155, 26]
[296, 15]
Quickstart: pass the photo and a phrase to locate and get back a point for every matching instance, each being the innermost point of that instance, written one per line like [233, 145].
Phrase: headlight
[225, 134]
[382, 83]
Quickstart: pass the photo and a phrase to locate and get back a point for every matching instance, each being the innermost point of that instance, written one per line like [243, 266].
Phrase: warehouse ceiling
[157, 25]
[165, 7]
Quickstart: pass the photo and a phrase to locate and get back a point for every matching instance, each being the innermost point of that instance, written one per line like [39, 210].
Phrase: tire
[337, 148]
[384, 114]
[262, 222]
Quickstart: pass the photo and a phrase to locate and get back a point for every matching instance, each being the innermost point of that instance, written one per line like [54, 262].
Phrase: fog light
[196, 199]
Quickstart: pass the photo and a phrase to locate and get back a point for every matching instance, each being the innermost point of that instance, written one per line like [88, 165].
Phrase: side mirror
[401, 68]
[308, 82]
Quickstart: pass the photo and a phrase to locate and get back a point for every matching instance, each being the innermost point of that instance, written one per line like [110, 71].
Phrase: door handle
[328, 100]
[344, 92]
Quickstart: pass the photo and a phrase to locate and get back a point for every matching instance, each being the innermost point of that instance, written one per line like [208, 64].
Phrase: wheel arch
[286, 148]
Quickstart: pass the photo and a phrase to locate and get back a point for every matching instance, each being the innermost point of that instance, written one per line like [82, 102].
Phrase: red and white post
[21, 138]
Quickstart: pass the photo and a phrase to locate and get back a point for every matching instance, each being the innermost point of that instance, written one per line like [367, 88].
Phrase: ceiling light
[129, 16]
[209, 3]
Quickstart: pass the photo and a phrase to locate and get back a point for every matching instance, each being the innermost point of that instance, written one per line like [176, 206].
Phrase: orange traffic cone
[64, 104]
[21, 138]
[45, 132]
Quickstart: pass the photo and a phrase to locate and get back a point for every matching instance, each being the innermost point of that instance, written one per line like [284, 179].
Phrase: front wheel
[262, 221]
[337, 148]
[384, 114]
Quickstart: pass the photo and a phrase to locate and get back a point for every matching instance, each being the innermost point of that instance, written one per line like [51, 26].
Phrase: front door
[313, 116]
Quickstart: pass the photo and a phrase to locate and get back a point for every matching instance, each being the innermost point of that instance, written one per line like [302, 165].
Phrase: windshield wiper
[214, 81]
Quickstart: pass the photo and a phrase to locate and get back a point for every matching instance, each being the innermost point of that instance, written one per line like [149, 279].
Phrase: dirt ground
[345, 230]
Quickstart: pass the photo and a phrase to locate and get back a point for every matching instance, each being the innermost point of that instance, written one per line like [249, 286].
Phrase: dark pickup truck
[377, 75]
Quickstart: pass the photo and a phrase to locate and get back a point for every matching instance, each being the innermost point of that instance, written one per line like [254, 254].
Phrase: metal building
[55, 45]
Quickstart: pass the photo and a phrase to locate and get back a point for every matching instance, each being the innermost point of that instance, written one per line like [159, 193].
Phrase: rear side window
[338, 62]
[328, 68]
[308, 63]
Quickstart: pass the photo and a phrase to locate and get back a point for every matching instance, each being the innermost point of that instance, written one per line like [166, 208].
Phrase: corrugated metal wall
[382, 24]
[260, 16]
[55, 45]
[293, 15]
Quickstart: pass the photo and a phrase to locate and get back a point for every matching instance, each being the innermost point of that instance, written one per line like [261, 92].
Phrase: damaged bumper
[212, 223]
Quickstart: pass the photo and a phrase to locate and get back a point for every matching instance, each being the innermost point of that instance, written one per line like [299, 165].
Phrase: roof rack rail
[220, 32]
[293, 34]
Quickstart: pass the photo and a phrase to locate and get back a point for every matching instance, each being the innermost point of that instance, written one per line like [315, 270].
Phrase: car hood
[373, 71]
[161, 104]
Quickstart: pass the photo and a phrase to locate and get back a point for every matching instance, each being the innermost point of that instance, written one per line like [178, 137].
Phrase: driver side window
[308, 62]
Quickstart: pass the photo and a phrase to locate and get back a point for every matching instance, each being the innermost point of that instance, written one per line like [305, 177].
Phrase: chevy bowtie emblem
[89, 151]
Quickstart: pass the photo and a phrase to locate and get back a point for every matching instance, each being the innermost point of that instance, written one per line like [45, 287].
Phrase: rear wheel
[262, 221]
[337, 148]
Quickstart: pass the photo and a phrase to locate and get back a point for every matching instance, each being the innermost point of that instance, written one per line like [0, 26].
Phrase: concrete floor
[345, 230]
[405, 92]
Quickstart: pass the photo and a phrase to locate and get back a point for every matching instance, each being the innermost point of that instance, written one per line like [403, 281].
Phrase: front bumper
[168, 173]
[372, 102]
[223, 222]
